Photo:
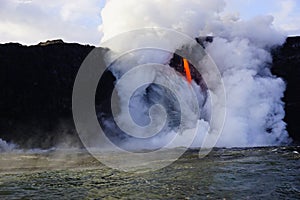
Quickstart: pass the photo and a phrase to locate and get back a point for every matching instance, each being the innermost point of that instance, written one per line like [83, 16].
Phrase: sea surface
[239, 173]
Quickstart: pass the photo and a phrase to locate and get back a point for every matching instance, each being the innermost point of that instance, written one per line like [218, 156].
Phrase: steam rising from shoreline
[240, 49]
[5, 147]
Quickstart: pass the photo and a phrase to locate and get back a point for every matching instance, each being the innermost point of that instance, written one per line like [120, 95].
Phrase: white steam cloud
[5, 146]
[240, 49]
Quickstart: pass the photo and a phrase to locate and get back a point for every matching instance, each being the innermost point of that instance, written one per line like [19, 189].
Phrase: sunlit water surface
[251, 173]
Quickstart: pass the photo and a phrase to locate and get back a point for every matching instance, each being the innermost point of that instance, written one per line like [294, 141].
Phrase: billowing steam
[5, 146]
[240, 49]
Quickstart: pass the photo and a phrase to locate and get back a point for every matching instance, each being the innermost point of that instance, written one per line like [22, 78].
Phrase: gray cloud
[30, 22]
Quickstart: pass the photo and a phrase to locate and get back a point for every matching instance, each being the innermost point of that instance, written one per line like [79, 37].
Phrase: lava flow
[187, 70]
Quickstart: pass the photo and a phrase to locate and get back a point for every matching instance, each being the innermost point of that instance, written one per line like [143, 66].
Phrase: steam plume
[241, 50]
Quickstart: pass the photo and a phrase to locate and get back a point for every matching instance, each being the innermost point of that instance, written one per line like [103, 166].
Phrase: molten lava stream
[187, 70]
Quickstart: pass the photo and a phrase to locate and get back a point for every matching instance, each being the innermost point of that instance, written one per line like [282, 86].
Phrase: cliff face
[286, 64]
[37, 81]
[36, 91]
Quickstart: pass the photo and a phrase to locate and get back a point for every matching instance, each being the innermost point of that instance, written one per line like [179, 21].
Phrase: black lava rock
[36, 91]
[286, 64]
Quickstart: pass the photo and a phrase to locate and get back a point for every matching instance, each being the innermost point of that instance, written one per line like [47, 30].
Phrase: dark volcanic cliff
[36, 91]
[286, 64]
[37, 81]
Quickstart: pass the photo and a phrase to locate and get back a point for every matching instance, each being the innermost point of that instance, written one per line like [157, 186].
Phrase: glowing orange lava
[187, 70]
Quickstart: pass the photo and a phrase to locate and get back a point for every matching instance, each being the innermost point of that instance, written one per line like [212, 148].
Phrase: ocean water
[239, 173]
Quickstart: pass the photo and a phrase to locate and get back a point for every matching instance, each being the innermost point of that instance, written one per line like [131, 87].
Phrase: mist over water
[241, 51]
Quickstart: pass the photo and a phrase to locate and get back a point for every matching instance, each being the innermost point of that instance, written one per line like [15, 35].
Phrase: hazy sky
[32, 21]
